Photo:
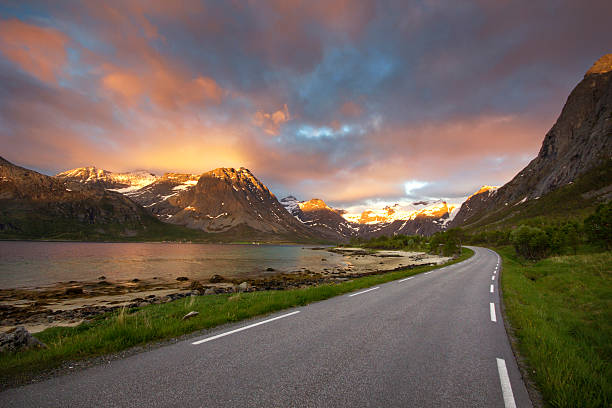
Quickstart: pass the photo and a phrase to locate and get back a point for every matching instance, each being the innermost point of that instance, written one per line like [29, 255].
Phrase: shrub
[598, 227]
[530, 242]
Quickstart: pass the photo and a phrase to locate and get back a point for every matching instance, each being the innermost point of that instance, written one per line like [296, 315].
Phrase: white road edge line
[493, 318]
[195, 343]
[491, 288]
[405, 279]
[505, 384]
[364, 291]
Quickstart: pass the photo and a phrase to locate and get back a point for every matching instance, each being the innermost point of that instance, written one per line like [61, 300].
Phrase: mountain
[36, 205]
[578, 143]
[420, 218]
[154, 197]
[224, 200]
[121, 182]
[476, 204]
[424, 218]
[316, 214]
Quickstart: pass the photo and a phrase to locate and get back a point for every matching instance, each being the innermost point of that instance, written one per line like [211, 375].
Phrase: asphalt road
[429, 341]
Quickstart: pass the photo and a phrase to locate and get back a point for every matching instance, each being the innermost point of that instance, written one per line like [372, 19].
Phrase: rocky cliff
[580, 140]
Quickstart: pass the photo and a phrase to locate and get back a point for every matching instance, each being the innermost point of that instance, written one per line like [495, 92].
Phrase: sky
[359, 103]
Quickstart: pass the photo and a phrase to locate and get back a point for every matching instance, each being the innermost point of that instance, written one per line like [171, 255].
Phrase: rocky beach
[70, 303]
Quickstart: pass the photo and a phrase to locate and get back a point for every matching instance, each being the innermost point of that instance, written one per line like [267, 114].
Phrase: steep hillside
[575, 200]
[35, 205]
[222, 201]
[580, 141]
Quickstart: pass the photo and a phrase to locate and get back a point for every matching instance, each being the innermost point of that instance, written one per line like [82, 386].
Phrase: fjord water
[36, 264]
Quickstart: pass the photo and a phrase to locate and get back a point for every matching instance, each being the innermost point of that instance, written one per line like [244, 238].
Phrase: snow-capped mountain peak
[120, 182]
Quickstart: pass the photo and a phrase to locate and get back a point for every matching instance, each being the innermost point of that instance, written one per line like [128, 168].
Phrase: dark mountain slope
[35, 205]
[580, 140]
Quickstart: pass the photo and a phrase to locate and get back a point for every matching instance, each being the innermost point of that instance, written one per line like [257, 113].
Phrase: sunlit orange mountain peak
[313, 205]
[389, 214]
[484, 189]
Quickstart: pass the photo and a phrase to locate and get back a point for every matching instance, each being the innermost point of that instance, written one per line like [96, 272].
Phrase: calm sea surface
[35, 264]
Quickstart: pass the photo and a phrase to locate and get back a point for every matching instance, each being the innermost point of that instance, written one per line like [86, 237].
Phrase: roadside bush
[572, 235]
[530, 242]
[445, 243]
[598, 227]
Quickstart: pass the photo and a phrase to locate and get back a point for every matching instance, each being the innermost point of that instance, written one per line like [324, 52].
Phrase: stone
[244, 287]
[19, 339]
[196, 285]
[191, 314]
[74, 290]
[182, 278]
[102, 277]
[209, 291]
[216, 279]
[135, 280]
[270, 269]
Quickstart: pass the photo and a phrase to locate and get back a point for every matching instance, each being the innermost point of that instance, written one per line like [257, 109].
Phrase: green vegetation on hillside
[561, 311]
[132, 327]
[574, 201]
[538, 238]
[33, 226]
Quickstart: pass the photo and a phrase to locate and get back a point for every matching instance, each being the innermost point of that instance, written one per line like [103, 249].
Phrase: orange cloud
[271, 122]
[40, 51]
[351, 109]
[166, 88]
[124, 84]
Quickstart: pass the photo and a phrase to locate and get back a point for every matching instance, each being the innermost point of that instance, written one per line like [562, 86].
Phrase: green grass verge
[561, 311]
[127, 328]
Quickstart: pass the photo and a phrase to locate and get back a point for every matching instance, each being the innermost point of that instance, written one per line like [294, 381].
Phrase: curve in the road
[431, 340]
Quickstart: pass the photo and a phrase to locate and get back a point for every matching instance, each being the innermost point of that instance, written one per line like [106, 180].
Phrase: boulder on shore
[19, 339]
[216, 279]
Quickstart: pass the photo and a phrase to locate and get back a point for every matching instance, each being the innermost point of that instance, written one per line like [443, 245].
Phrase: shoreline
[291, 243]
[71, 303]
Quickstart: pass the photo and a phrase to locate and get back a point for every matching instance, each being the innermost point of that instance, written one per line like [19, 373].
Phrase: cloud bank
[351, 102]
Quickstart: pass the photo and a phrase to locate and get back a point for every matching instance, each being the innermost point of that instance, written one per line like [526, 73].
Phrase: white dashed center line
[492, 307]
[492, 277]
[243, 328]
[365, 291]
[491, 288]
